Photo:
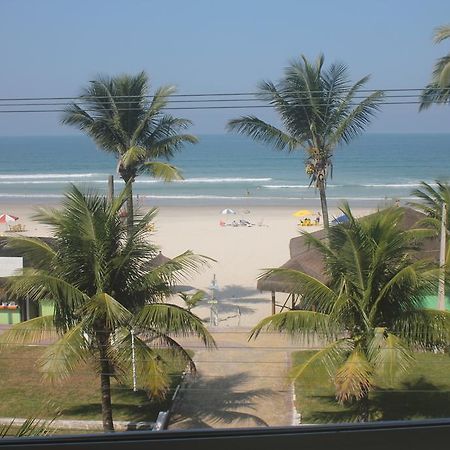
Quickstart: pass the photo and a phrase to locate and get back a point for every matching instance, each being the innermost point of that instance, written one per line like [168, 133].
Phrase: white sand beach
[240, 252]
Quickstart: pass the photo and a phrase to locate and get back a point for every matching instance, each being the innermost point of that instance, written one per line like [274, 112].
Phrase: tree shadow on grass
[127, 405]
[206, 403]
[416, 399]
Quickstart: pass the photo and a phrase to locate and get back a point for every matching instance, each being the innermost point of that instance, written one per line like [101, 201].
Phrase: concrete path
[241, 384]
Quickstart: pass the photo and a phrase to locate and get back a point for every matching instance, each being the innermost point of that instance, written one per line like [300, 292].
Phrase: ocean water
[229, 169]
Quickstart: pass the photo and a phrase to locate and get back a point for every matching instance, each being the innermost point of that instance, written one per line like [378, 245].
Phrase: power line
[214, 94]
[220, 100]
[191, 108]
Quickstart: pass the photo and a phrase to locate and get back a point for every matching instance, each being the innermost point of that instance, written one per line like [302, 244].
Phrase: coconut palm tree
[369, 313]
[122, 118]
[438, 91]
[107, 297]
[431, 201]
[319, 109]
[192, 300]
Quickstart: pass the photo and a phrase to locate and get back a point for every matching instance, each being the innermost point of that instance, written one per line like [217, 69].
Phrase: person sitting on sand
[317, 219]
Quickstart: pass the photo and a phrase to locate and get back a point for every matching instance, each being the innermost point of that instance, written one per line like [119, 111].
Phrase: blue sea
[229, 169]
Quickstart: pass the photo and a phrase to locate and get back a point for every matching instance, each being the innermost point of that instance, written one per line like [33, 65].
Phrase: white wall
[10, 265]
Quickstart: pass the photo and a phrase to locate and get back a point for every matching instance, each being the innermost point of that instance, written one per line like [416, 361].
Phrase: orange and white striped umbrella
[7, 218]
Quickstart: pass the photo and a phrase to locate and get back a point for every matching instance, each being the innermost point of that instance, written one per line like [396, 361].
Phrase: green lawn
[423, 392]
[24, 394]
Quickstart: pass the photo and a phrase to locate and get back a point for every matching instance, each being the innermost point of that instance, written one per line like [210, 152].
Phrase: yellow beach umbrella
[302, 212]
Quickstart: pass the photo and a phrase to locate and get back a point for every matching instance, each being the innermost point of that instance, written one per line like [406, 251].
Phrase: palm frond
[411, 275]
[159, 101]
[444, 76]
[162, 171]
[172, 320]
[298, 323]
[108, 310]
[434, 94]
[262, 131]
[62, 357]
[358, 119]
[30, 331]
[389, 355]
[426, 328]
[172, 349]
[30, 427]
[167, 146]
[179, 268]
[313, 291]
[330, 357]
[38, 285]
[38, 252]
[441, 33]
[354, 378]
[151, 370]
[133, 156]
[192, 300]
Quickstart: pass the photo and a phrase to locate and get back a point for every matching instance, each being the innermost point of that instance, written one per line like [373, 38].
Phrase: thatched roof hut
[158, 260]
[309, 260]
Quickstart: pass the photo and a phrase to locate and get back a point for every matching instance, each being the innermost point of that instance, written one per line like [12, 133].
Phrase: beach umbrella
[341, 219]
[302, 212]
[7, 218]
[228, 211]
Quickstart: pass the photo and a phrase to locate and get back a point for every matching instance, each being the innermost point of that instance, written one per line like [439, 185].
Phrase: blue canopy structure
[341, 219]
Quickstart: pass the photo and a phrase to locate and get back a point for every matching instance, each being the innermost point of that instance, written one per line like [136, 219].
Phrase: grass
[24, 393]
[422, 392]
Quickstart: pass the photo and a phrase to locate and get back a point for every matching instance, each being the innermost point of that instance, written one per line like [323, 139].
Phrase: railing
[432, 434]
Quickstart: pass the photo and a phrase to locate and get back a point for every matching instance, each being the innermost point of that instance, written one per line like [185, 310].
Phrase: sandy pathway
[241, 384]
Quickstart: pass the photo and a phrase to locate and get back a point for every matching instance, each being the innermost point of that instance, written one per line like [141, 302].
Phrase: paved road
[240, 384]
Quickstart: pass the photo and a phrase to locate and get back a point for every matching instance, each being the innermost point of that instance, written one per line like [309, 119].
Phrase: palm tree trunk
[130, 209]
[323, 203]
[105, 381]
[364, 415]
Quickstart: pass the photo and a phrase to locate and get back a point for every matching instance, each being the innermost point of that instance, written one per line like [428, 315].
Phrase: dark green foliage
[369, 315]
[99, 276]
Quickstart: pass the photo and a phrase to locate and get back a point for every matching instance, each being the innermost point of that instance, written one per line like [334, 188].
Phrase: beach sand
[240, 252]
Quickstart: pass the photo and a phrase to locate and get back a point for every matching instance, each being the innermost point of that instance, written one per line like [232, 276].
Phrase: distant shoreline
[147, 202]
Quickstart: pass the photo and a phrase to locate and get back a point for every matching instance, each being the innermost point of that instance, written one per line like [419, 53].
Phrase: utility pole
[110, 188]
[442, 254]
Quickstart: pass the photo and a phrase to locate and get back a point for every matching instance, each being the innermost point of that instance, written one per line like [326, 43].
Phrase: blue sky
[53, 47]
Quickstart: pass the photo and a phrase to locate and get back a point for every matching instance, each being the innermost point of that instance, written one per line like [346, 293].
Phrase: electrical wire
[216, 94]
[190, 108]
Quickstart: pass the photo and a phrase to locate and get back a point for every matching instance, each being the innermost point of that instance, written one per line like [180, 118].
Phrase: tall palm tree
[438, 91]
[369, 313]
[107, 296]
[319, 109]
[122, 118]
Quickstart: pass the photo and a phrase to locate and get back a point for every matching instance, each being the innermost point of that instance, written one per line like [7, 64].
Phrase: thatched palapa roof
[307, 259]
